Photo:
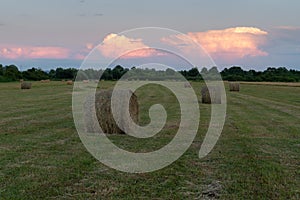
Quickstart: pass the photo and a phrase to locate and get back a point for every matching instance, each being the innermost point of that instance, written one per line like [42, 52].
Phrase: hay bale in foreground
[104, 112]
[69, 82]
[25, 85]
[211, 95]
[234, 87]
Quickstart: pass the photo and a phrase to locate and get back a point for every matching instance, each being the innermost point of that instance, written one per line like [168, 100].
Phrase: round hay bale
[69, 82]
[85, 81]
[234, 87]
[45, 81]
[25, 85]
[21, 80]
[211, 95]
[104, 112]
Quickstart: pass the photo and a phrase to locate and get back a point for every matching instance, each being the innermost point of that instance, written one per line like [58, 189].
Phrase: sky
[46, 34]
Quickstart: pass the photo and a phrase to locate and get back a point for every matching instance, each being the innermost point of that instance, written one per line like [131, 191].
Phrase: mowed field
[256, 157]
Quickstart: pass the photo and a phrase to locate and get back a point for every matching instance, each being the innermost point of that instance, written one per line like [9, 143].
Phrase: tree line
[11, 73]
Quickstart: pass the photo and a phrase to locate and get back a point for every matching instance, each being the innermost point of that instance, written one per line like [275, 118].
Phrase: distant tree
[213, 70]
[193, 72]
[12, 73]
[52, 74]
[235, 73]
[170, 72]
[204, 70]
[35, 74]
[107, 74]
[183, 73]
[1, 70]
[69, 73]
[81, 75]
[118, 72]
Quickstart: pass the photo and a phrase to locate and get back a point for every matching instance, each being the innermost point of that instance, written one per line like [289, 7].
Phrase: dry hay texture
[234, 87]
[45, 81]
[25, 85]
[104, 112]
[211, 95]
[69, 82]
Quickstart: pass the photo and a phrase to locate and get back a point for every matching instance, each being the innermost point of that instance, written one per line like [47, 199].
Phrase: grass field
[257, 156]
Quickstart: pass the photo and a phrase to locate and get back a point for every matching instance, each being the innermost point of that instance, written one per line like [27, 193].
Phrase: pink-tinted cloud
[89, 46]
[114, 46]
[228, 44]
[31, 52]
[79, 56]
[289, 28]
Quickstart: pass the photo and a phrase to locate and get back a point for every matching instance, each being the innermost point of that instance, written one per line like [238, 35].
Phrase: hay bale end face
[25, 85]
[211, 95]
[234, 87]
[104, 114]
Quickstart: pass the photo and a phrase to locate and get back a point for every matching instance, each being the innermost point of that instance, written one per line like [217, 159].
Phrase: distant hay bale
[187, 85]
[85, 81]
[45, 81]
[21, 80]
[25, 85]
[69, 82]
[211, 95]
[104, 112]
[234, 87]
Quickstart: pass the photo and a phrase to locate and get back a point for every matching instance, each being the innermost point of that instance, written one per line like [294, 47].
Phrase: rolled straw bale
[45, 81]
[25, 85]
[69, 82]
[104, 114]
[211, 95]
[234, 87]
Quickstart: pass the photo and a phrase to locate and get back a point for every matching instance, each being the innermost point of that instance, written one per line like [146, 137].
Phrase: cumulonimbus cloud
[114, 46]
[230, 44]
[33, 52]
